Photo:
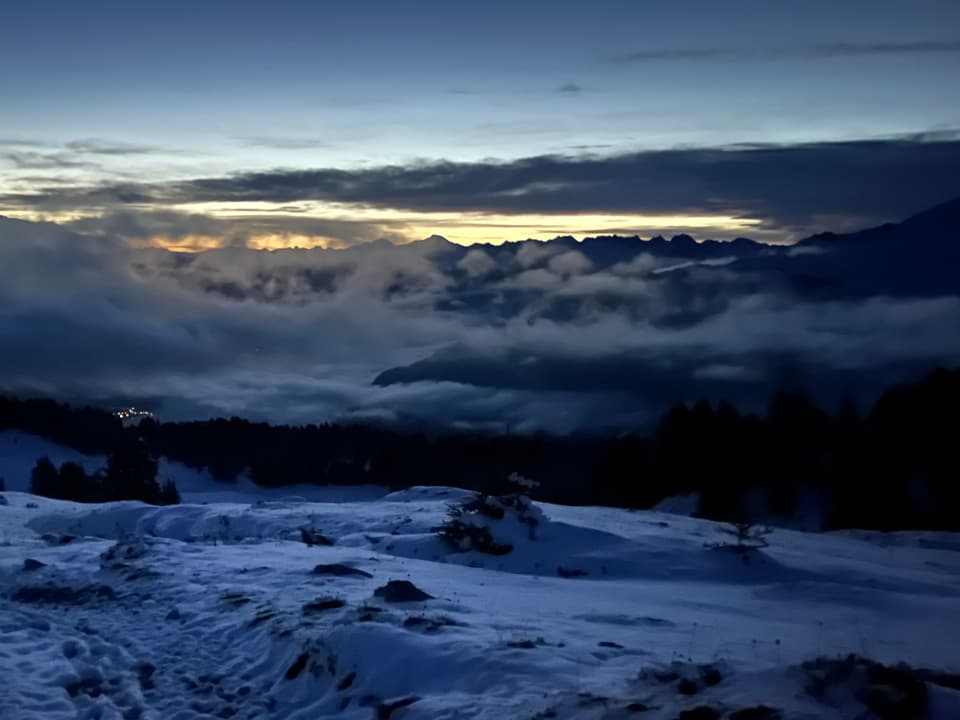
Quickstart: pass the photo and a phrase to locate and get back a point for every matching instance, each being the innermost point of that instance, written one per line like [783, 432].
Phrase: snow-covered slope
[215, 611]
[20, 451]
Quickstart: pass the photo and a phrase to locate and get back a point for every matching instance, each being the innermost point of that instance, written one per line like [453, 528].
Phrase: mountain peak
[940, 217]
[433, 245]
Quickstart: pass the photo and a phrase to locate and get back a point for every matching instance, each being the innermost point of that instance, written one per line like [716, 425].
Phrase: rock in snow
[400, 591]
[339, 570]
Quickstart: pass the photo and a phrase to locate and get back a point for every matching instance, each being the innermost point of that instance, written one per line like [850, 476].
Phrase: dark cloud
[800, 186]
[32, 160]
[570, 88]
[31, 154]
[104, 196]
[23, 142]
[105, 147]
[69, 154]
[785, 184]
[645, 382]
[820, 50]
[148, 224]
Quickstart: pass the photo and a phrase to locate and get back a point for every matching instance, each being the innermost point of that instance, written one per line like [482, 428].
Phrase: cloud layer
[560, 335]
[819, 50]
[795, 188]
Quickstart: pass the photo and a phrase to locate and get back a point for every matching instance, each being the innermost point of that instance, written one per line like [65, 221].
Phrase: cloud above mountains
[794, 189]
[85, 154]
[783, 184]
[186, 230]
[559, 335]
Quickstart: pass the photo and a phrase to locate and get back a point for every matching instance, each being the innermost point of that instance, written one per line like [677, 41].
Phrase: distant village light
[132, 415]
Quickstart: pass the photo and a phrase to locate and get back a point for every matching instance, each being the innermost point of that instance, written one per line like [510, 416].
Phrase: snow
[197, 486]
[204, 613]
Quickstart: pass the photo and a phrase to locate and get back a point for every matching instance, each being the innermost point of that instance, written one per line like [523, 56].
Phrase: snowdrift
[220, 610]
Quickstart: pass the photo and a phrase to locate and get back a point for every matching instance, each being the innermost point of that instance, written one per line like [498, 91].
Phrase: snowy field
[216, 609]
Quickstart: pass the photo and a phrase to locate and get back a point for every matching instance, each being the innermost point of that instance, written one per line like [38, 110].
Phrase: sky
[207, 124]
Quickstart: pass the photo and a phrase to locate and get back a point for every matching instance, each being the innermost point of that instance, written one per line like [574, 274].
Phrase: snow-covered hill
[20, 451]
[220, 610]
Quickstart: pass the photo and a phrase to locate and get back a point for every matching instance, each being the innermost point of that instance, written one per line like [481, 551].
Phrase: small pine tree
[44, 480]
[468, 523]
[76, 485]
[746, 539]
[131, 474]
[169, 495]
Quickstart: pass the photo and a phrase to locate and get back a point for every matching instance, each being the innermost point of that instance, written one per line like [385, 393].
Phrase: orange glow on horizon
[403, 226]
[188, 243]
[283, 241]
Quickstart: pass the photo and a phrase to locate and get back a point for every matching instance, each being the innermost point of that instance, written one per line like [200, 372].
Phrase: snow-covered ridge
[216, 610]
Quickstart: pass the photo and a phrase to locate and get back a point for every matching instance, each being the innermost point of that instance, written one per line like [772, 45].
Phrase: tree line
[892, 466]
[130, 474]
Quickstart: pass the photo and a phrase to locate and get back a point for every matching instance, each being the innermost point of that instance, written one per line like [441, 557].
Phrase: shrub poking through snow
[470, 523]
[428, 624]
[63, 595]
[387, 708]
[298, 666]
[467, 532]
[745, 539]
[129, 547]
[757, 712]
[891, 692]
[398, 591]
[322, 604]
[701, 712]
[169, 495]
[340, 570]
[311, 537]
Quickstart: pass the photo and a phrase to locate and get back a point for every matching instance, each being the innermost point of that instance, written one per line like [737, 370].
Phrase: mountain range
[560, 333]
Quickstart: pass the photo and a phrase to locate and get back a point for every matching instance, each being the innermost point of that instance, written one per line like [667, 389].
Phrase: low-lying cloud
[560, 335]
